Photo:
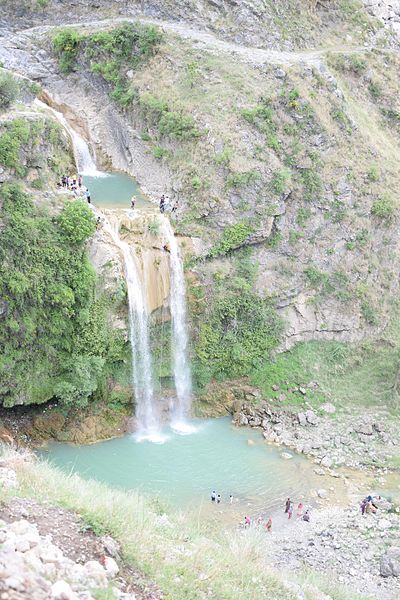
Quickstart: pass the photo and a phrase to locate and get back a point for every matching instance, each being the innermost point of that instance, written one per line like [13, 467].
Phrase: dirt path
[205, 40]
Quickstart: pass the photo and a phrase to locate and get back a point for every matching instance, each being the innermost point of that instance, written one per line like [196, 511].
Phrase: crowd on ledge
[74, 184]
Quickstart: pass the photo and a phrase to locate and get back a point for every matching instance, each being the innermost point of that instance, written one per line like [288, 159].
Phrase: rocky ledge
[50, 553]
[359, 552]
[332, 437]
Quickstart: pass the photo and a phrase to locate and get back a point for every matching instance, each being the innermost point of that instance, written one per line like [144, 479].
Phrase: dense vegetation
[54, 337]
[237, 330]
[111, 54]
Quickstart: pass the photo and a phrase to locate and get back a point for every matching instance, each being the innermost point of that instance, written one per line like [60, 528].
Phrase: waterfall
[146, 412]
[180, 338]
[84, 161]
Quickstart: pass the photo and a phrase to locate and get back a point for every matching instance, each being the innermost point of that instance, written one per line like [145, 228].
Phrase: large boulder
[390, 562]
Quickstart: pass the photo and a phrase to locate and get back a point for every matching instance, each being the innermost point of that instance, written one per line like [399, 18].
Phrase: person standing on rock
[175, 207]
[287, 505]
[213, 496]
[162, 204]
[133, 199]
[290, 510]
[268, 525]
[218, 498]
[230, 499]
[87, 195]
[306, 516]
[80, 180]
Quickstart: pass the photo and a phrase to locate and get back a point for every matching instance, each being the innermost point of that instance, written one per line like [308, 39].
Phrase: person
[165, 248]
[166, 202]
[306, 516]
[133, 202]
[300, 509]
[80, 180]
[370, 508]
[218, 498]
[268, 525]
[230, 499]
[175, 207]
[259, 521]
[363, 506]
[64, 181]
[162, 203]
[87, 195]
[98, 222]
[213, 496]
[287, 505]
[247, 522]
[290, 510]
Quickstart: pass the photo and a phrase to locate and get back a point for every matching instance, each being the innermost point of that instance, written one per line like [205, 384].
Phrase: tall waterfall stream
[148, 413]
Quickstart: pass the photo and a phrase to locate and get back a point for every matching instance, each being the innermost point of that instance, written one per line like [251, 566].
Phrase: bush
[279, 181]
[239, 179]
[9, 90]
[54, 337]
[77, 221]
[238, 335]
[67, 44]
[233, 237]
[312, 183]
[384, 208]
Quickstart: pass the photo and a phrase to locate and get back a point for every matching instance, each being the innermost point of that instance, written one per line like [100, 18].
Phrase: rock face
[387, 11]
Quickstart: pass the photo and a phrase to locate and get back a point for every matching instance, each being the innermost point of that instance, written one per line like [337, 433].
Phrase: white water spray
[148, 419]
[84, 161]
[180, 339]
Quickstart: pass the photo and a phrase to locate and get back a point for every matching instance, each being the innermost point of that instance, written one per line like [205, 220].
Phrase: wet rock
[286, 455]
[326, 462]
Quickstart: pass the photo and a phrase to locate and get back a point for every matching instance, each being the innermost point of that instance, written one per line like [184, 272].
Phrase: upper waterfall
[84, 161]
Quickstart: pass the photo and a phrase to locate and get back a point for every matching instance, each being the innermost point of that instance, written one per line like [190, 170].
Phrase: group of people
[217, 497]
[301, 513]
[260, 523]
[165, 204]
[368, 505]
[74, 184]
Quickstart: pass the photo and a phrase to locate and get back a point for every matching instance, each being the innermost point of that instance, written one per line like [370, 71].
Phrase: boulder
[390, 563]
[311, 417]
[301, 417]
[328, 408]
[327, 462]
[61, 590]
[111, 567]
[322, 493]
[111, 546]
[364, 428]
[286, 455]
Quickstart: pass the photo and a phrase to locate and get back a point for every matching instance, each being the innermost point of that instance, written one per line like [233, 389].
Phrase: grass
[187, 560]
[364, 374]
[184, 559]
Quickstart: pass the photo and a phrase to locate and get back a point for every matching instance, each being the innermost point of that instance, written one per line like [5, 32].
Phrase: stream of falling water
[147, 412]
[83, 158]
[148, 418]
[180, 339]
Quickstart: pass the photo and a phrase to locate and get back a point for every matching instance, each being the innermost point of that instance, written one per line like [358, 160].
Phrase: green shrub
[238, 335]
[384, 208]
[77, 221]
[9, 90]
[368, 312]
[178, 125]
[312, 183]
[278, 182]
[17, 132]
[303, 214]
[159, 152]
[67, 45]
[240, 179]
[373, 173]
[233, 237]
